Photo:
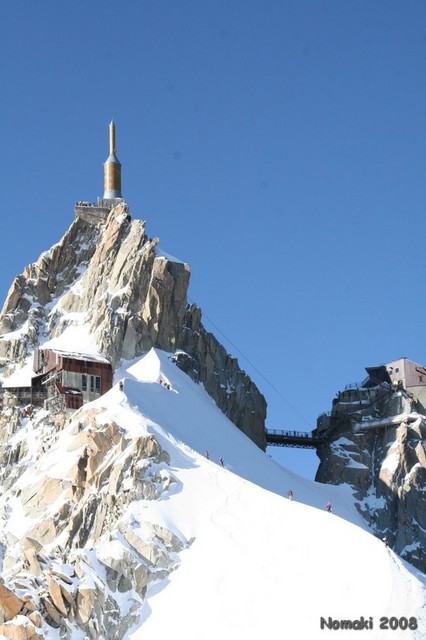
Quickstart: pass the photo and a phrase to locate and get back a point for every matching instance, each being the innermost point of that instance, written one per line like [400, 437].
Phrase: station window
[84, 382]
[95, 384]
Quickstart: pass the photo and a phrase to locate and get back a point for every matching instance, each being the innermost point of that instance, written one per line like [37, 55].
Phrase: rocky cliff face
[376, 446]
[112, 278]
[77, 560]
[76, 555]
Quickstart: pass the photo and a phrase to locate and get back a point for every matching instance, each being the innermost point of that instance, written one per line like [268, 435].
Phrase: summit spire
[112, 148]
[112, 169]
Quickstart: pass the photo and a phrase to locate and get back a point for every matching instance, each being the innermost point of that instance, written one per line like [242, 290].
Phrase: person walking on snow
[221, 461]
[328, 507]
[290, 494]
[206, 454]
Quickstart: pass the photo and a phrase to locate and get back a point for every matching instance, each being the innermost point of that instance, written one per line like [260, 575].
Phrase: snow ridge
[175, 539]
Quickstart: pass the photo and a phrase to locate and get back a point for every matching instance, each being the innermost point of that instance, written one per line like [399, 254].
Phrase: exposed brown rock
[10, 604]
[147, 550]
[32, 543]
[34, 499]
[85, 603]
[61, 576]
[68, 598]
[46, 530]
[33, 563]
[36, 619]
[55, 593]
[54, 617]
[24, 631]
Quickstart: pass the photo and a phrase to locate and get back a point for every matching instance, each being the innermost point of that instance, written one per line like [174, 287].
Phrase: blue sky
[278, 147]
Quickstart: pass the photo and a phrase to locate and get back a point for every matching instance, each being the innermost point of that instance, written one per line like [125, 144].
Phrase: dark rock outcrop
[377, 447]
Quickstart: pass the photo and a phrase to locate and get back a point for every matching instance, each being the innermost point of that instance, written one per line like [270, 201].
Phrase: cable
[204, 315]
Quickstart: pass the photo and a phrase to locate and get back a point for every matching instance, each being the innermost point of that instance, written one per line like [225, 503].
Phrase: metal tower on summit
[112, 169]
[98, 212]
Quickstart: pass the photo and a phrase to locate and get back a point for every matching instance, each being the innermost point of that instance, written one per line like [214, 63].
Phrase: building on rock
[98, 212]
[382, 397]
[376, 445]
[63, 380]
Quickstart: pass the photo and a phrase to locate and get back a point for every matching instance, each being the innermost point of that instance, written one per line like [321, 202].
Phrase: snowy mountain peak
[107, 288]
[148, 512]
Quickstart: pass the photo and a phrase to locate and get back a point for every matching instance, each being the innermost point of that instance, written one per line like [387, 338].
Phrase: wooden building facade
[71, 378]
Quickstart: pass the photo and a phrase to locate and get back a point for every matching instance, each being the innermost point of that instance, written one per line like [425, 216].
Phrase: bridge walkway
[301, 439]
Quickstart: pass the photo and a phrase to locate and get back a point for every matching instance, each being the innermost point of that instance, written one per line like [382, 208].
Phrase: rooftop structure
[390, 394]
[97, 212]
[112, 169]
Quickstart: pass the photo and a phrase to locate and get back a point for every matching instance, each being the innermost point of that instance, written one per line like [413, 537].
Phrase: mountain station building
[63, 379]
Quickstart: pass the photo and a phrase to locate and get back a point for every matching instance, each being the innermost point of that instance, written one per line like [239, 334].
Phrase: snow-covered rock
[119, 522]
[113, 281]
[378, 449]
[144, 537]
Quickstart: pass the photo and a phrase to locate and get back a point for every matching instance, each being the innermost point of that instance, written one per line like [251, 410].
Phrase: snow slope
[259, 565]
[254, 564]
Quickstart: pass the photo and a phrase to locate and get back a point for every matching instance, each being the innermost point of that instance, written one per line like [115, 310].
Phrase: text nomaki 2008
[387, 623]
